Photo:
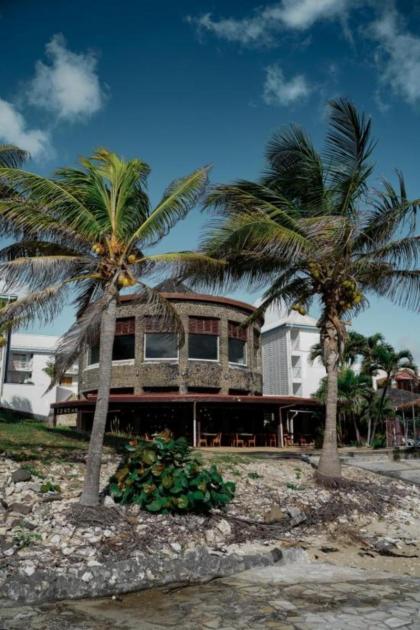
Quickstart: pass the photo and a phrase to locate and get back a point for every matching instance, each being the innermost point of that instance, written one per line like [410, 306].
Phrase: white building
[287, 341]
[24, 382]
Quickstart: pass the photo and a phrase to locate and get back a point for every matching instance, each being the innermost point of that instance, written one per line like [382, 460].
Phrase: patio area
[209, 421]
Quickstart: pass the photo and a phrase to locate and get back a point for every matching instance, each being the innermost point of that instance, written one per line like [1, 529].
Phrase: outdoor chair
[271, 439]
[252, 441]
[217, 441]
[237, 441]
[202, 442]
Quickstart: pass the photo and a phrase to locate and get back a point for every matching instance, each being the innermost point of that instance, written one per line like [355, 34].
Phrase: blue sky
[187, 83]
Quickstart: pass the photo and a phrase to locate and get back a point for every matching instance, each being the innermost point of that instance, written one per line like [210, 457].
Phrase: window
[123, 347]
[161, 390]
[20, 368]
[203, 339]
[124, 342]
[237, 343]
[161, 346]
[237, 351]
[203, 347]
[204, 390]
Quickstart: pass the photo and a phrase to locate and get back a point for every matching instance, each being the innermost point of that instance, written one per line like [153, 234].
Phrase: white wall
[287, 369]
[31, 397]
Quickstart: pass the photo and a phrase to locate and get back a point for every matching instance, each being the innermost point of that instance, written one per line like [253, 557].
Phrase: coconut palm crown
[84, 235]
[311, 228]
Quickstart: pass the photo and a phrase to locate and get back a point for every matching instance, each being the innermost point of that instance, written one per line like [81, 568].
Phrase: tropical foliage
[312, 228]
[84, 235]
[163, 476]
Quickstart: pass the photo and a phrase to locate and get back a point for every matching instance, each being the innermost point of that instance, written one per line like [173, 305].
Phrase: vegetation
[311, 228]
[84, 234]
[358, 402]
[163, 476]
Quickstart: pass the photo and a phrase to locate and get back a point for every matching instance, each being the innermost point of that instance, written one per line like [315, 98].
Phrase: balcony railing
[24, 366]
[297, 372]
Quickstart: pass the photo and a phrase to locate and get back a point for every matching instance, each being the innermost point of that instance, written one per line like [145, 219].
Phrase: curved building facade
[219, 356]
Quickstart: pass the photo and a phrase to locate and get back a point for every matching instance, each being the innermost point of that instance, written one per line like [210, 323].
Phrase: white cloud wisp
[13, 130]
[68, 85]
[280, 91]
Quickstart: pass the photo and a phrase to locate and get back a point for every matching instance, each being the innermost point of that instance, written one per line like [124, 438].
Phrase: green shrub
[162, 476]
[379, 441]
[48, 486]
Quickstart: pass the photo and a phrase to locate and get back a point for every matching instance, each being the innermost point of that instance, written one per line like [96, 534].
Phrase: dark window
[160, 390]
[203, 347]
[238, 392]
[204, 390]
[123, 349]
[120, 391]
[161, 346]
[237, 351]
[93, 354]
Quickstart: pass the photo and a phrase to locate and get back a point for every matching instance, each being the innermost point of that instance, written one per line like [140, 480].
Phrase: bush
[162, 476]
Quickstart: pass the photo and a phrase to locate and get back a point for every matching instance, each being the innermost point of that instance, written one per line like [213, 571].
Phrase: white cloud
[398, 59]
[68, 84]
[280, 91]
[261, 27]
[13, 130]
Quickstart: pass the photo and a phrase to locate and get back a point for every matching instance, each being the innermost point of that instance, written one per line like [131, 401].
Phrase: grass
[23, 439]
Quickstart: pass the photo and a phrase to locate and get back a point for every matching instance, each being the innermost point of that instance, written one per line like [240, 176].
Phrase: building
[286, 342]
[24, 382]
[209, 388]
[219, 356]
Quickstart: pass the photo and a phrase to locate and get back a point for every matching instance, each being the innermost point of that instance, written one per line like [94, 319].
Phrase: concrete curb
[137, 573]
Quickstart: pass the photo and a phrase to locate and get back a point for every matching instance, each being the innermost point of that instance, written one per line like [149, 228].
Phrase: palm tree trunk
[329, 463]
[90, 494]
[380, 410]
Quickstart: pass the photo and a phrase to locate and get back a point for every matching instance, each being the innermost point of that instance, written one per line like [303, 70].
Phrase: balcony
[20, 366]
[297, 372]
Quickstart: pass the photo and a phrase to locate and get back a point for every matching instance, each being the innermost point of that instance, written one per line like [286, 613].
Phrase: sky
[193, 82]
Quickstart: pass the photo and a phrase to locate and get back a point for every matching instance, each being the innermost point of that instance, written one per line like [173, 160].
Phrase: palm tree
[354, 347]
[353, 392]
[85, 234]
[384, 357]
[310, 227]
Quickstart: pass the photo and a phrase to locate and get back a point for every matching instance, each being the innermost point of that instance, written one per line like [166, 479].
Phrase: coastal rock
[21, 474]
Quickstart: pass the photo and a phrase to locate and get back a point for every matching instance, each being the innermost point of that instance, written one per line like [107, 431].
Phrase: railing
[295, 343]
[297, 372]
[25, 366]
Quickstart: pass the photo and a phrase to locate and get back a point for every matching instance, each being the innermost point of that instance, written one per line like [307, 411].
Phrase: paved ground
[300, 596]
[405, 469]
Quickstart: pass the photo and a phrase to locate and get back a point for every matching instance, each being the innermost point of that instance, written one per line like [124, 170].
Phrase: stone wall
[184, 373]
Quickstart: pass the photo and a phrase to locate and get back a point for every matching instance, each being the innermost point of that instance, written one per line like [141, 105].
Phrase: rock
[224, 527]
[21, 475]
[87, 576]
[109, 501]
[296, 516]
[20, 508]
[274, 515]
[176, 547]
[29, 569]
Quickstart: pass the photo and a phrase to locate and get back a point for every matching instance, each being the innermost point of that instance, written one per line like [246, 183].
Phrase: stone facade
[184, 374]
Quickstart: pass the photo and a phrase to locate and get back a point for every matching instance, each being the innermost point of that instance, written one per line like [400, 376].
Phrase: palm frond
[296, 170]
[348, 149]
[43, 306]
[177, 201]
[59, 203]
[11, 156]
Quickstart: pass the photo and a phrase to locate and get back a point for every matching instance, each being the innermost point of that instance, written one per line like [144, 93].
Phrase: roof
[399, 397]
[277, 315]
[173, 398]
[33, 343]
[198, 297]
